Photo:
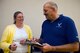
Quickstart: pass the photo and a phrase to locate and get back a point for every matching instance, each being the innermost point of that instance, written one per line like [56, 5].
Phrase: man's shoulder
[45, 21]
[67, 18]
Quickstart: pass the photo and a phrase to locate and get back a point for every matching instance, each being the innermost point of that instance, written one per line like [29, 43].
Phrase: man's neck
[57, 16]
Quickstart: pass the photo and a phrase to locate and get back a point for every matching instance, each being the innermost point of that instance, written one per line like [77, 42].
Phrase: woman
[14, 36]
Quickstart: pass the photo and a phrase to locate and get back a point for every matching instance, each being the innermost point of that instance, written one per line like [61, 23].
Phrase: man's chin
[49, 19]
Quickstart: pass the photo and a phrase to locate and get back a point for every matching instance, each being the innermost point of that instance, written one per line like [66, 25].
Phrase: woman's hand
[22, 41]
[13, 47]
[35, 40]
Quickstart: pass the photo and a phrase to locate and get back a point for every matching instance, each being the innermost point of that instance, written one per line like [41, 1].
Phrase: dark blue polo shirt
[59, 32]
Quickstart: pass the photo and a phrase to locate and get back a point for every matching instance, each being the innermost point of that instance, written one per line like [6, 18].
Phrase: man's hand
[13, 47]
[46, 48]
[61, 48]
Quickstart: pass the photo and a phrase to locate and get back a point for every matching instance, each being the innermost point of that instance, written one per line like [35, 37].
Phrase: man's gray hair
[52, 4]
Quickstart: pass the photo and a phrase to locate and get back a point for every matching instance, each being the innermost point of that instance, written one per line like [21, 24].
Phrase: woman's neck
[19, 25]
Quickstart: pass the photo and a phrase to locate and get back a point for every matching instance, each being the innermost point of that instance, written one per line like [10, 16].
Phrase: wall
[33, 12]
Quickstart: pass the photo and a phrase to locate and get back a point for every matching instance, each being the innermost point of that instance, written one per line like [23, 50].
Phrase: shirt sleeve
[4, 39]
[71, 31]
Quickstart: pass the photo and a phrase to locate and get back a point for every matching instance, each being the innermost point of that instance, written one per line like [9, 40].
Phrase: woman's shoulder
[10, 26]
[26, 26]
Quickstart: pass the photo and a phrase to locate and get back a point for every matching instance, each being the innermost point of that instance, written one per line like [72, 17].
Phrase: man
[58, 32]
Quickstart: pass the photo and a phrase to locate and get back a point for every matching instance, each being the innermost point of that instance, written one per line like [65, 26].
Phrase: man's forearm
[66, 48]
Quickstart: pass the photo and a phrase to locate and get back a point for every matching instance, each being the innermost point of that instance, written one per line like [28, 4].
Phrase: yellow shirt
[8, 35]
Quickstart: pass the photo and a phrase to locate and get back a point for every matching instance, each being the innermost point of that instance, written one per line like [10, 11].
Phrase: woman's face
[20, 18]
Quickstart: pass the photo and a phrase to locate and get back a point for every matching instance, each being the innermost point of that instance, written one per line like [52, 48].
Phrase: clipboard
[33, 43]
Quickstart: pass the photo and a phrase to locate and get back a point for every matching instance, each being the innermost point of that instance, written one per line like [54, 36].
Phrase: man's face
[49, 12]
